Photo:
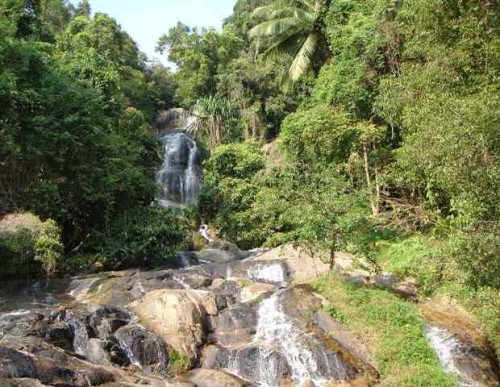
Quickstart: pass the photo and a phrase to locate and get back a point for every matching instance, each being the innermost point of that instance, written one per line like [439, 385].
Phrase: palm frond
[302, 61]
[273, 12]
[273, 27]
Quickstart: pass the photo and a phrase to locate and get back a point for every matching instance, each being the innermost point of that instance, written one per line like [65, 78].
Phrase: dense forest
[366, 126]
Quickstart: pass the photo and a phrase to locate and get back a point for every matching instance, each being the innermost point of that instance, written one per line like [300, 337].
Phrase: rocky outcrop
[459, 343]
[32, 358]
[221, 252]
[234, 326]
[302, 267]
[255, 291]
[178, 317]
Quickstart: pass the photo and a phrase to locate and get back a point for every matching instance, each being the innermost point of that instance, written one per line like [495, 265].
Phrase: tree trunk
[376, 204]
[369, 180]
[332, 259]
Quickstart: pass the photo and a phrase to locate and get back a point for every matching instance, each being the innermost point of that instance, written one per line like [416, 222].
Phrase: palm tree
[295, 27]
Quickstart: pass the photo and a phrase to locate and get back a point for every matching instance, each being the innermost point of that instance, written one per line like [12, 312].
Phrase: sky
[146, 20]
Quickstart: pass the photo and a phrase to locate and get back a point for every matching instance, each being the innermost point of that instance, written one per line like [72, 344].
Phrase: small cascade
[180, 174]
[270, 272]
[448, 348]
[143, 349]
[280, 348]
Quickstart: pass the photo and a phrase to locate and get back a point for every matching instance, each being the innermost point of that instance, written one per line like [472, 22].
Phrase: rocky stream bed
[224, 317]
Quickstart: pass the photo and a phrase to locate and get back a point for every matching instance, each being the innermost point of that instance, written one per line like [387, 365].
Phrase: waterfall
[180, 174]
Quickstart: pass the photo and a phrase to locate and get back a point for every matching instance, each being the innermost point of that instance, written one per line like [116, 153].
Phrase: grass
[391, 328]
[420, 257]
[426, 259]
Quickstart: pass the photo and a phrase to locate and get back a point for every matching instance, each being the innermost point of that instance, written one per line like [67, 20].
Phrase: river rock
[178, 317]
[144, 349]
[255, 291]
[21, 382]
[250, 362]
[221, 252]
[226, 292]
[33, 359]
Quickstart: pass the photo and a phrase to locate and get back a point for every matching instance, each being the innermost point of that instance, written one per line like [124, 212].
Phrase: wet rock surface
[229, 320]
[461, 348]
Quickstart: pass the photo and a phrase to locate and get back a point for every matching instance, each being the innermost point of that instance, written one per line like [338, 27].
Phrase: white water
[276, 334]
[181, 282]
[446, 347]
[274, 272]
[179, 176]
[15, 313]
[274, 327]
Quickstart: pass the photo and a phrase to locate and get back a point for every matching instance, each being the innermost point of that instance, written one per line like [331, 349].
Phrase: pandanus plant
[213, 113]
[294, 27]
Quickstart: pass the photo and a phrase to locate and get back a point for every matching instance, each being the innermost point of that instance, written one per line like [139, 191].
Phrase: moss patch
[177, 363]
[392, 328]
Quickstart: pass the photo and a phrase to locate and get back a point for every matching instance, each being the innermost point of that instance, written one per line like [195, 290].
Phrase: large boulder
[221, 252]
[177, 316]
[302, 267]
[33, 359]
[251, 362]
[255, 291]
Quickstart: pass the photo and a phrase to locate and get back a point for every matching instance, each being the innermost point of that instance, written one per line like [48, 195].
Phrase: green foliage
[29, 249]
[216, 119]
[230, 190]
[48, 246]
[319, 134]
[198, 56]
[143, 237]
[419, 257]
[75, 143]
[391, 328]
[177, 363]
[295, 28]
[477, 252]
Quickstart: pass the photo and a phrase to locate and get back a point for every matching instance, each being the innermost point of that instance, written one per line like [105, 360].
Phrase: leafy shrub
[28, 246]
[143, 237]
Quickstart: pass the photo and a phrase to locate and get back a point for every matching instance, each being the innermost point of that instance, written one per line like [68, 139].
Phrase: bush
[28, 246]
[144, 237]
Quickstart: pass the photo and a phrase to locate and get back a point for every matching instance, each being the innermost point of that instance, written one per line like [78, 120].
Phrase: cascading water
[447, 347]
[180, 174]
[278, 340]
